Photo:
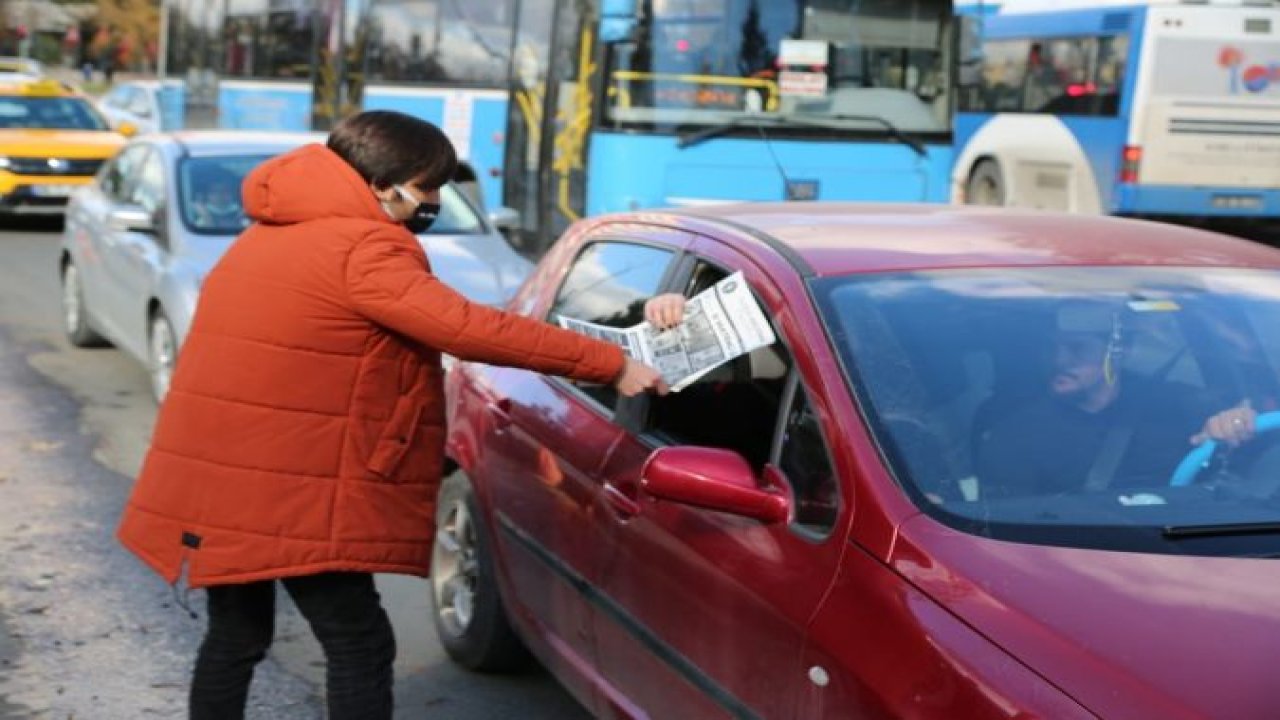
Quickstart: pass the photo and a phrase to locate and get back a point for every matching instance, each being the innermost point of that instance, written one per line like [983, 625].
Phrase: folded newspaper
[720, 323]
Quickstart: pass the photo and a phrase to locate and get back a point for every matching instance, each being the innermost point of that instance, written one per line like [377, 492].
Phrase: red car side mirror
[714, 479]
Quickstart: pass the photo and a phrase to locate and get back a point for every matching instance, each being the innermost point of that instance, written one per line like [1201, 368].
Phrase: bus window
[440, 41]
[262, 41]
[1004, 70]
[1060, 77]
[706, 62]
[1112, 52]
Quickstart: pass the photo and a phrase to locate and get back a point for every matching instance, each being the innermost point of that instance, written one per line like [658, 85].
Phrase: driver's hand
[665, 311]
[1233, 426]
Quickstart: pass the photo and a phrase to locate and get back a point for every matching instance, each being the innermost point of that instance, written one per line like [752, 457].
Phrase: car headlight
[4, 163]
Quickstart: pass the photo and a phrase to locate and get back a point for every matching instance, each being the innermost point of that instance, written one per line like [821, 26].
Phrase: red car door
[538, 463]
[704, 613]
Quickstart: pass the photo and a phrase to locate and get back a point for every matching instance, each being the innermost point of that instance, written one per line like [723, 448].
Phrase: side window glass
[1060, 77]
[1003, 72]
[608, 284]
[148, 191]
[118, 175]
[805, 461]
[734, 406]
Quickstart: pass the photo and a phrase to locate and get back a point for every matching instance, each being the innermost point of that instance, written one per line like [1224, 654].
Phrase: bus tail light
[1130, 163]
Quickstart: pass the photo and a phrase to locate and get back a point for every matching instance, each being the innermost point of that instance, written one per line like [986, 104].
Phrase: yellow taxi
[52, 140]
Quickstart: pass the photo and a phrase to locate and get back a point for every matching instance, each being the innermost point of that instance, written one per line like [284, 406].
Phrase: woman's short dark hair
[390, 148]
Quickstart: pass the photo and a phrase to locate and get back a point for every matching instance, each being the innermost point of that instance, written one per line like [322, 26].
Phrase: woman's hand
[665, 311]
[636, 377]
[1233, 426]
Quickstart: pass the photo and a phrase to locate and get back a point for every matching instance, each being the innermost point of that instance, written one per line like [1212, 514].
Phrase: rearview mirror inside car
[714, 479]
[132, 218]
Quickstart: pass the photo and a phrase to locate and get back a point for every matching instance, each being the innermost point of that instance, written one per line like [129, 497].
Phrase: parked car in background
[827, 528]
[52, 141]
[141, 238]
[136, 103]
[20, 69]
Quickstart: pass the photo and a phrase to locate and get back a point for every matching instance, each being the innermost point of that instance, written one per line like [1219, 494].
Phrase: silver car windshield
[456, 216]
[1064, 405]
[209, 194]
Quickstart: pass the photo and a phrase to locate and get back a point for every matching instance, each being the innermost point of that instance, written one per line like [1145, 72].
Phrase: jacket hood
[1126, 634]
[308, 183]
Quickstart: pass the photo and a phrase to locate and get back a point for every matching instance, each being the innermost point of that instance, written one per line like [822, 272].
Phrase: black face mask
[422, 218]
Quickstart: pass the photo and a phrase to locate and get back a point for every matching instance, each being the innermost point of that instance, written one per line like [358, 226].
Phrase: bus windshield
[872, 66]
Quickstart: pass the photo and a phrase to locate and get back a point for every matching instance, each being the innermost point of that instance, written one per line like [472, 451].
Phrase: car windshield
[1061, 405]
[53, 113]
[209, 192]
[456, 216]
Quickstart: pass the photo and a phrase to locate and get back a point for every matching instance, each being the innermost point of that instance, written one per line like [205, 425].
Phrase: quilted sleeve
[389, 283]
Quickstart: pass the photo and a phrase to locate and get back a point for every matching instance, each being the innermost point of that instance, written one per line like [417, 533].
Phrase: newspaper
[720, 323]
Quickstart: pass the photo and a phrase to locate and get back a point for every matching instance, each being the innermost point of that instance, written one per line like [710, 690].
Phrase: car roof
[208, 143]
[13, 85]
[829, 238]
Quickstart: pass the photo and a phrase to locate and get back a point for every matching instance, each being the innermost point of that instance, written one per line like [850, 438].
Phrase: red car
[970, 480]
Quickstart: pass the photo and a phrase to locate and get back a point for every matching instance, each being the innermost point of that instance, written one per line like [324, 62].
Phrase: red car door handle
[500, 412]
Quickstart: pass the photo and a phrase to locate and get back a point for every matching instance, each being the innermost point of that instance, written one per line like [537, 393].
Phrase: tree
[133, 31]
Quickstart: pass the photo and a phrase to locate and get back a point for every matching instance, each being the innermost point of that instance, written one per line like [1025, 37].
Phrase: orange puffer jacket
[304, 428]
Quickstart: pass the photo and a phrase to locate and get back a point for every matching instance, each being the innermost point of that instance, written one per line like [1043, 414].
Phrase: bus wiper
[1177, 532]
[894, 131]
[708, 133]
[698, 137]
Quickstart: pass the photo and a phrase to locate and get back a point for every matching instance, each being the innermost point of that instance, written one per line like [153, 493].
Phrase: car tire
[162, 353]
[985, 185]
[75, 319]
[467, 608]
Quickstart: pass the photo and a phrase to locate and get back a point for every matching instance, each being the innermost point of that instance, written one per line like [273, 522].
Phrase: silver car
[135, 104]
[140, 239]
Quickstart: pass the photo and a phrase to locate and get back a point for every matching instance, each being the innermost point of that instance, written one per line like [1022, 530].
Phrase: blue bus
[1161, 109]
[579, 107]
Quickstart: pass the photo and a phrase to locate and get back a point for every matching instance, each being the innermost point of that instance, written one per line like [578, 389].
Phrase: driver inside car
[1096, 426]
[218, 206]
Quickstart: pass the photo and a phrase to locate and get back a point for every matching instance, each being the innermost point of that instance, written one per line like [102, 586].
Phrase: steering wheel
[1199, 457]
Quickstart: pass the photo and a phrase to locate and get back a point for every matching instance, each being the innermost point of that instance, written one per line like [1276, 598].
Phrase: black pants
[345, 614]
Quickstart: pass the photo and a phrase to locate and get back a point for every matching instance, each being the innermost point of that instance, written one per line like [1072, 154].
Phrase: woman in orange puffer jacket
[302, 437]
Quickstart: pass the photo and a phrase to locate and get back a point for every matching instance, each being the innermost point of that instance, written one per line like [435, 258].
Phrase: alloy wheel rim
[161, 356]
[71, 298]
[455, 570]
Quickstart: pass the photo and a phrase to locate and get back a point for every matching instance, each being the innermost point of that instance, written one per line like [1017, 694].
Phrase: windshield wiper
[697, 137]
[1177, 532]
[894, 131]
[700, 136]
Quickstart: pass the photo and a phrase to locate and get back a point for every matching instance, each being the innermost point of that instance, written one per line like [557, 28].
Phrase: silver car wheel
[162, 355]
[455, 569]
[71, 299]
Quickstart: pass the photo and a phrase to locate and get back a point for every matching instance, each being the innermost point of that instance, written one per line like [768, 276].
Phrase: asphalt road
[85, 630]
